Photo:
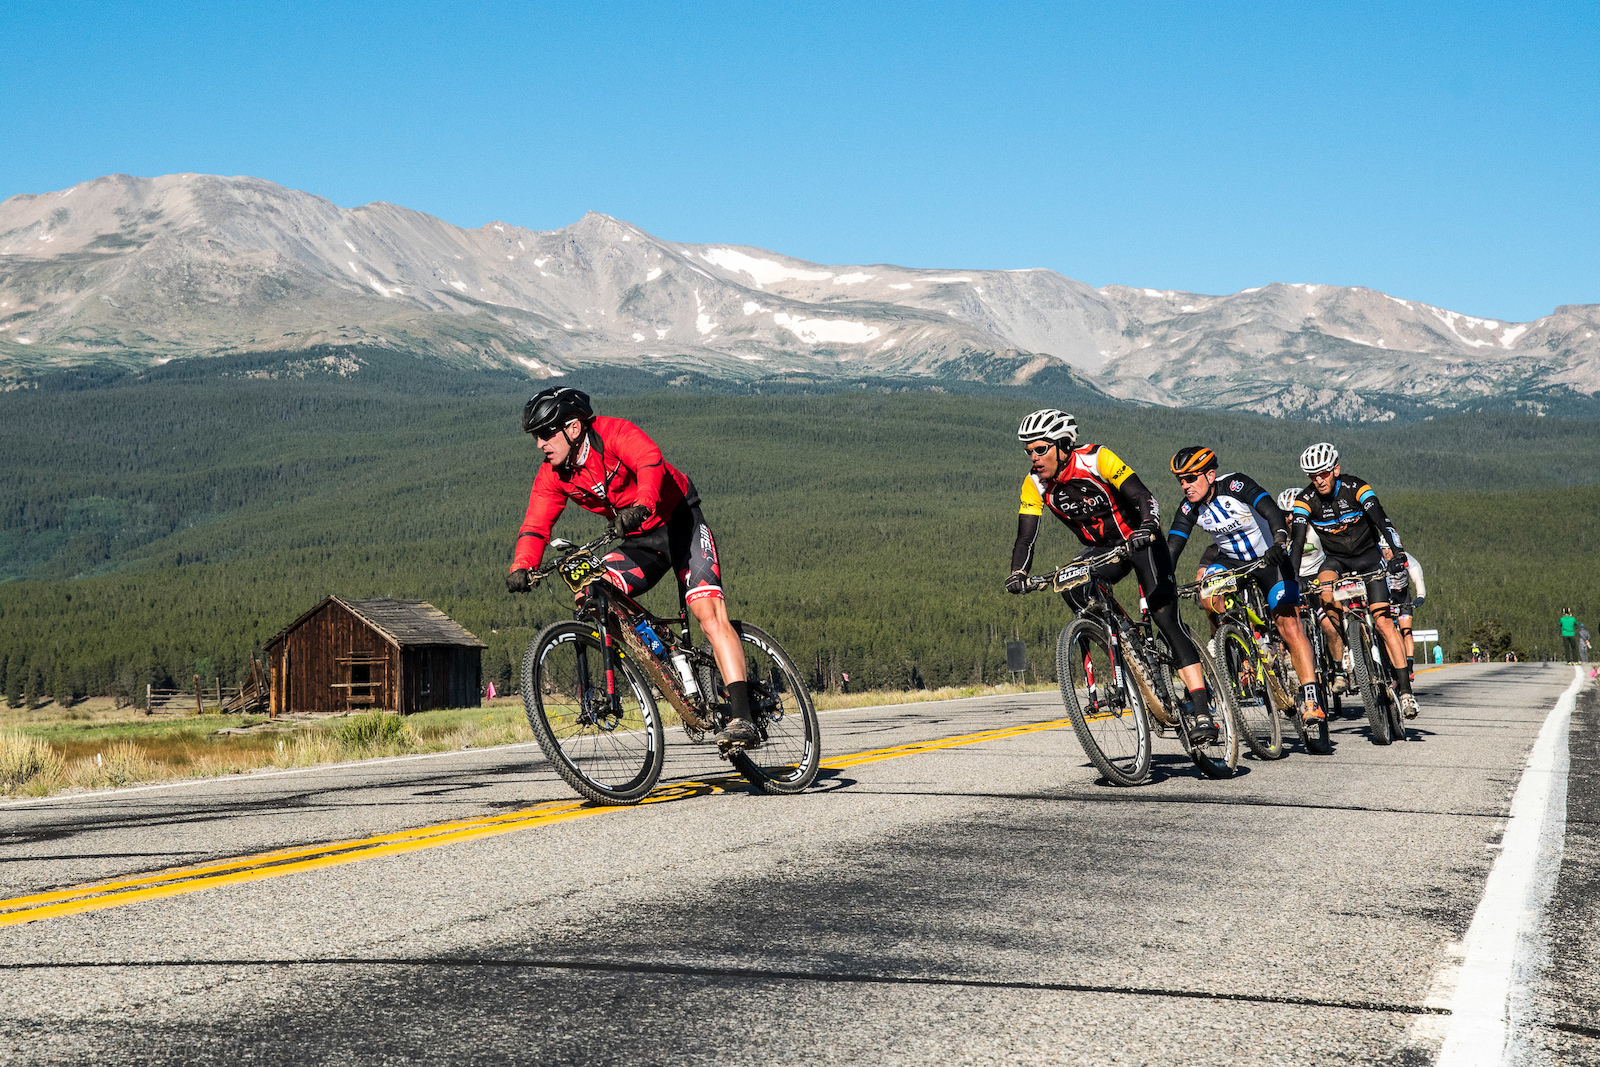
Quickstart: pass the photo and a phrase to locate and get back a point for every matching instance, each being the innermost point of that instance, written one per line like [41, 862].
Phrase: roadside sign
[1424, 635]
[1016, 657]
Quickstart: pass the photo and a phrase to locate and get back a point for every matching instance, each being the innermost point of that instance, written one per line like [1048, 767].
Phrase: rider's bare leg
[1294, 639]
[712, 614]
[1392, 647]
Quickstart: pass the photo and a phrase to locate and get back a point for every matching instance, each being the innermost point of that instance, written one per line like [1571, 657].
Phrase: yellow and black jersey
[1096, 494]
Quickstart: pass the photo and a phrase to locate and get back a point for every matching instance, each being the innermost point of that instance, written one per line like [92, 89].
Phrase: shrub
[374, 730]
[24, 760]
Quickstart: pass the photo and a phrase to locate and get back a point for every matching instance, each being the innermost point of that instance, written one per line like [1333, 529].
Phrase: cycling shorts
[1370, 560]
[684, 545]
[1278, 589]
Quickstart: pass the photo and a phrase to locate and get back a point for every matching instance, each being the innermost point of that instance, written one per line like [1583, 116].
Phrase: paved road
[980, 903]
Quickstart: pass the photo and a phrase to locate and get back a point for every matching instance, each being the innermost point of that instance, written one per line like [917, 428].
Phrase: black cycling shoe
[739, 733]
[1204, 731]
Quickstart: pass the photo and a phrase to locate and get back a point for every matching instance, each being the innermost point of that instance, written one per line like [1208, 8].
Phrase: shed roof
[403, 622]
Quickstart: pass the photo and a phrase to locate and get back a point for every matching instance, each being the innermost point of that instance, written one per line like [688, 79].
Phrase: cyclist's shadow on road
[1172, 766]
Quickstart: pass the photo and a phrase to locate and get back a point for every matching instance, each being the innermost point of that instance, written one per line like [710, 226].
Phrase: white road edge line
[179, 783]
[1479, 1033]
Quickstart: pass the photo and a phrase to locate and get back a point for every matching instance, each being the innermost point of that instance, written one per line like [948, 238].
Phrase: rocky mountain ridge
[144, 270]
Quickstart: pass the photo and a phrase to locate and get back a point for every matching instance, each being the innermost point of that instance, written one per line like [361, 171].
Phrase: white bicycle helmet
[1319, 457]
[1286, 499]
[1048, 424]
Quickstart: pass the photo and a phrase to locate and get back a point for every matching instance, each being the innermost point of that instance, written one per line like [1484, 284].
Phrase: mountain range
[141, 271]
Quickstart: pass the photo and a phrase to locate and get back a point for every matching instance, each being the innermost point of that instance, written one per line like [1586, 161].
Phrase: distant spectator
[1569, 635]
[1438, 655]
[1477, 653]
[1511, 657]
[1584, 644]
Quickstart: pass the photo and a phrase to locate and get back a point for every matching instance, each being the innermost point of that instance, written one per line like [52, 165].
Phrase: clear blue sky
[1445, 152]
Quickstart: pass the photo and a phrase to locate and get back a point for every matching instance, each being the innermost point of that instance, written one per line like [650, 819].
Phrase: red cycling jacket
[625, 469]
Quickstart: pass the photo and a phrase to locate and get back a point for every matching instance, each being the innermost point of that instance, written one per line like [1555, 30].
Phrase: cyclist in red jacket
[611, 467]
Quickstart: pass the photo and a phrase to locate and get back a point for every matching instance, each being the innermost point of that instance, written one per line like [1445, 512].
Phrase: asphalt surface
[982, 903]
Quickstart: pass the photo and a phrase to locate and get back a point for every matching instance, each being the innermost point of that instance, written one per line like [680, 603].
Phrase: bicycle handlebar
[604, 539]
[1193, 588]
[1045, 581]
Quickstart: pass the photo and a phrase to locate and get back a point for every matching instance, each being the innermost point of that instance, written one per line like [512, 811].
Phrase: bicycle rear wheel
[1103, 703]
[791, 748]
[1245, 670]
[1220, 758]
[1359, 641]
[608, 758]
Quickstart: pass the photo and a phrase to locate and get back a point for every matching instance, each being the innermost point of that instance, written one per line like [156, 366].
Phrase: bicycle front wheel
[791, 747]
[1243, 667]
[1106, 710]
[1220, 758]
[1359, 641]
[611, 753]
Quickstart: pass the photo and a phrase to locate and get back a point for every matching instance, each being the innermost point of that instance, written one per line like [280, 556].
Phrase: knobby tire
[1245, 670]
[604, 759]
[1359, 642]
[1103, 702]
[787, 760]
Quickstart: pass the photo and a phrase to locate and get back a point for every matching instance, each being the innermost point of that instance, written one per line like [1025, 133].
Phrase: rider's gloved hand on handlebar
[631, 517]
[1397, 562]
[1017, 582]
[1145, 533]
[520, 581]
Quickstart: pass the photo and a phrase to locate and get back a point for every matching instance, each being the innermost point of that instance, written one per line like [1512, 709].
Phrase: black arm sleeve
[1140, 499]
[1380, 521]
[1297, 543]
[1182, 528]
[1027, 534]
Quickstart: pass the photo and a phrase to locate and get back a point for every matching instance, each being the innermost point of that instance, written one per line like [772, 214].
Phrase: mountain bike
[1244, 649]
[589, 684]
[1321, 654]
[1370, 661]
[1117, 674]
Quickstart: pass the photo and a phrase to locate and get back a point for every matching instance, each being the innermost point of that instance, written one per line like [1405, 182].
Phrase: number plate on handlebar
[1226, 583]
[579, 571]
[1345, 592]
[1070, 577]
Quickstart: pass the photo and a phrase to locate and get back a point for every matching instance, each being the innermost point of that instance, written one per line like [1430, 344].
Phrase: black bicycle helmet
[556, 406]
[1193, 460]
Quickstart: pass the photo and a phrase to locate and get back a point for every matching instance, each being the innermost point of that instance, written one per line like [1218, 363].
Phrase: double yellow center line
[175, 881]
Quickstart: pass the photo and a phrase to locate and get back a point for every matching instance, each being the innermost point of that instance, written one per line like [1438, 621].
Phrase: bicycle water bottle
[647, 634]
[685, 674]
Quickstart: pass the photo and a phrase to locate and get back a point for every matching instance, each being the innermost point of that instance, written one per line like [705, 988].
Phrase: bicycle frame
[602, 604]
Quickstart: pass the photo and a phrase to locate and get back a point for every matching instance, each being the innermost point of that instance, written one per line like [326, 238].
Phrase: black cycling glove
[518, 581]
[631, 517]
[1017, 582]
[1145, 533]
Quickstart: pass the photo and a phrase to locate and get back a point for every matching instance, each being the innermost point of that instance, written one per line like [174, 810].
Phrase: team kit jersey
[1234, 518]
[1349, 520]
[1095, 494]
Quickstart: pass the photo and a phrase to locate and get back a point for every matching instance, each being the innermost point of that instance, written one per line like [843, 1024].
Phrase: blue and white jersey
[1239, 517]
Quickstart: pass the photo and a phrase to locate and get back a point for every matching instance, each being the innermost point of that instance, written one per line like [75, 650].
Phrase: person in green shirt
[1569, 635]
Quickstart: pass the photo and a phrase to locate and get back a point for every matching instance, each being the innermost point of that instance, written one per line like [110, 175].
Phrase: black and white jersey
[1241, 517]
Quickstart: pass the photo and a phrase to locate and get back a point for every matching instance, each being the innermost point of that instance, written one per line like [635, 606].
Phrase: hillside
[159, 528]
[140, 271]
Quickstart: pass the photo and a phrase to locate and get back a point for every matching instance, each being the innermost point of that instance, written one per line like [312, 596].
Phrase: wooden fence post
[199, 708]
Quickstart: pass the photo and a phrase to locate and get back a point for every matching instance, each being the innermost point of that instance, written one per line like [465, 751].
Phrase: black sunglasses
[544, 433]
[1187, 478]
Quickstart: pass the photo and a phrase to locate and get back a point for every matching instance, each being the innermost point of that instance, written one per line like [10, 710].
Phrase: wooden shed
[356, 655]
